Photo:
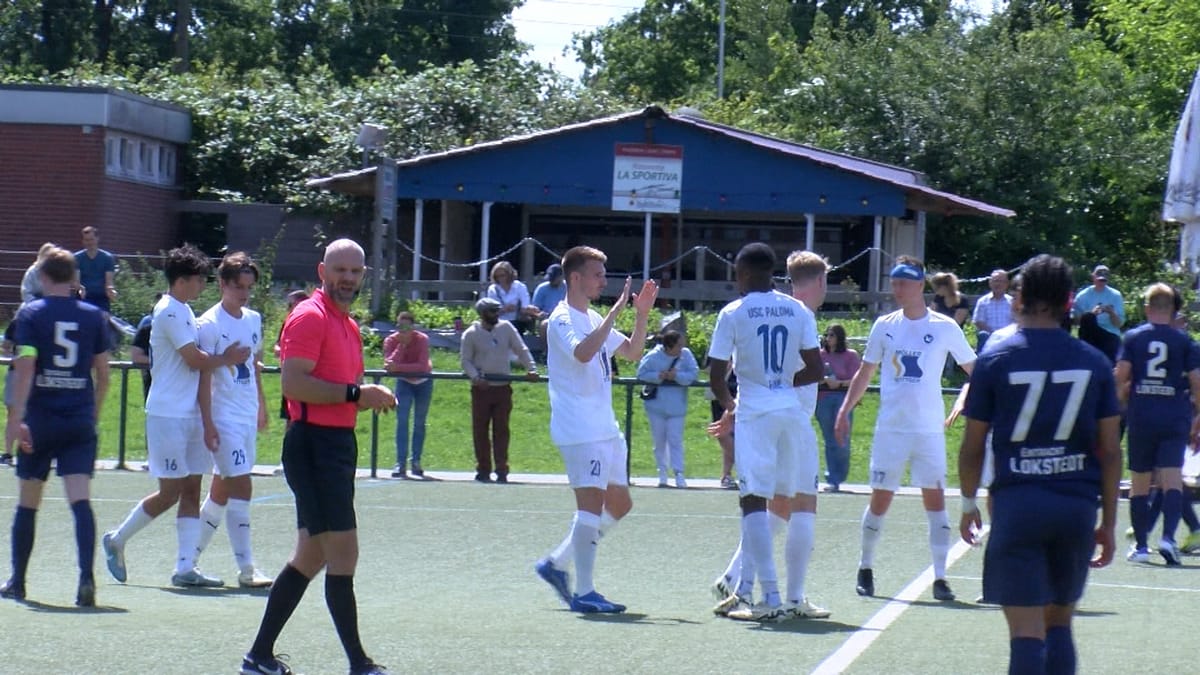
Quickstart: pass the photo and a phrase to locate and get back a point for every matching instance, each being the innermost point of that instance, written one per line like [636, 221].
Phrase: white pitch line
[856, 644]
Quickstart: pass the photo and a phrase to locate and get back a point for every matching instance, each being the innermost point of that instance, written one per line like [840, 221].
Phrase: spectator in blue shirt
[550, 292]
[666, 406]
[97, 268]
[1099, 310]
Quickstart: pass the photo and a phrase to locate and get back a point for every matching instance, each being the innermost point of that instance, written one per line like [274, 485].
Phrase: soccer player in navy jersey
[1158, 370]
[1051, 403]
[60, 342]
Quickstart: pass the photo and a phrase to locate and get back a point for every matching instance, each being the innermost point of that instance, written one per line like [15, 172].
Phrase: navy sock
[1060, 651]
[1026, 655]
[285, 594]
[1189, 514]
[343, 607]
[1172, 509]
[1139, 515]
[1156, 501]
[22, 542]
[85, 538]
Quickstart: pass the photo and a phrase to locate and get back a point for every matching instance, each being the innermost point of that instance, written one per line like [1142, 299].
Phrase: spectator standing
[513, 296]
[8, 348]
[1100, 311]
[322, 378]
[841, 362]
[407, 351]
[486, 345]
[666, 407]
[97, 269]
[948, 300]
[31, 284]
[61, 377]
[994, 310]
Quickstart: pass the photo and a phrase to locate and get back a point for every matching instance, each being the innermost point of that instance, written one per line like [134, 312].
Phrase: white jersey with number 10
[764, 332]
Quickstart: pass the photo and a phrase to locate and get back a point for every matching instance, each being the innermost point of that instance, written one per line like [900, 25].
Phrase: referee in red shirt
[322, 369]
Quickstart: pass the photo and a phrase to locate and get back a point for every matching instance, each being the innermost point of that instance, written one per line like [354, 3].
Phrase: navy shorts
[1040, 547]
[71, 441]
[1157, 446]
[319, 464]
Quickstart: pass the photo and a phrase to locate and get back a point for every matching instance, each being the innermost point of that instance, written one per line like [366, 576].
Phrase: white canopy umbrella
[1182, 201]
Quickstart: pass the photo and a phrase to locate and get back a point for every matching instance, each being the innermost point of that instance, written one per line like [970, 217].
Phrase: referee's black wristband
[353, 393]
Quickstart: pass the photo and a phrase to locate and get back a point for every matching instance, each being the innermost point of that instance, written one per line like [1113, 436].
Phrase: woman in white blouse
[512, 295]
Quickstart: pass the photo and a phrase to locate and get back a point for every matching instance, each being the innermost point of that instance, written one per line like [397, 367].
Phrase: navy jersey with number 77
[1043, 392]
[66, 335]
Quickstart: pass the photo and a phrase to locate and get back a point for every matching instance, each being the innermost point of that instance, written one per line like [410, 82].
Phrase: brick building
[76, 156]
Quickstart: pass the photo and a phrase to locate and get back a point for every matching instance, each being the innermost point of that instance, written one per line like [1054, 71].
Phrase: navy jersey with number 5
[1160, 358]
[66, 335]
[1043, 392]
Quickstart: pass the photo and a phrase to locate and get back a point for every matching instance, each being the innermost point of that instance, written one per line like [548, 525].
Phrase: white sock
[778, 524]
[872, 526]
[133, 523]
[797, 551]
[939, 541]
[584, 536]
[187, 530]
[210, 521]
[562, 556]
[237, 519]
[756, 540]
[607, 522]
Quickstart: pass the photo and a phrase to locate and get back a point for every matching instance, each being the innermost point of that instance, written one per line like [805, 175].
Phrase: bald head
[344, 249]
[342, 271]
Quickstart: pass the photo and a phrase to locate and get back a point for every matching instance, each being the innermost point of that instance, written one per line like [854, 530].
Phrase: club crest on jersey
[908, 365]
[928, 338]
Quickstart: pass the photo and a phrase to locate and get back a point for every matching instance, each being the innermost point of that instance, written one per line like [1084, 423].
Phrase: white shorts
[236, 451]
[808, 465]
[597, 464]
[175, 447]
[891, 451]
[766, 450]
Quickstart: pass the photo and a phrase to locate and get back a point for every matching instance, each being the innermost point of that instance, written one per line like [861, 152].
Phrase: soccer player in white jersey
[233, 411]
[911, 345]
[174, 436]
[807, 272]
[579, 347]
[773, 337]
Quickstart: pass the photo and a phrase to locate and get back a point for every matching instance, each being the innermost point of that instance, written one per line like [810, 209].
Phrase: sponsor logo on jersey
[908, 365]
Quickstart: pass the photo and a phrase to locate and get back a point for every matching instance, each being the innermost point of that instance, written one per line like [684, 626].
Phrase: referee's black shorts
[319, 464]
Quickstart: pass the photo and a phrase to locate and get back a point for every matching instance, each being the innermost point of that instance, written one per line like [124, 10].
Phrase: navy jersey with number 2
[1160, 358]
[1043, 392]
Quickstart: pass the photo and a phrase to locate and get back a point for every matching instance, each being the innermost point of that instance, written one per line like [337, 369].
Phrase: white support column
[485, 242]
[921, 234]
[810, 230]
[700, 260]
[418, 241]
[876, 257]
[646, 247]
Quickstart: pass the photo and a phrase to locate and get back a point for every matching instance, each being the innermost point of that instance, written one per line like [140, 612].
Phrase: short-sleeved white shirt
[910, 355]
[764, 332]
[580, 393]
[234, 388]
[173, 384]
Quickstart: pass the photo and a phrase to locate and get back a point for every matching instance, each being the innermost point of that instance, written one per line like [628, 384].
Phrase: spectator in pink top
[841, 362]
[407, 351]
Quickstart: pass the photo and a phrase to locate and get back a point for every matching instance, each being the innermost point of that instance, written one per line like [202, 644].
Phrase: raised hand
[644, 300]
